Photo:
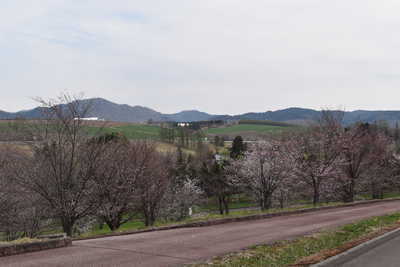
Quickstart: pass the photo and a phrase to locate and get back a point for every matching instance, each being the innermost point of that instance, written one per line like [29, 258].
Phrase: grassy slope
[131, 131]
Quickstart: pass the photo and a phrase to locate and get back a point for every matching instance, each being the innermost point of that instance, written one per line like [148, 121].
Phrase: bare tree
[23, 214]
[381, 170]
[123, 166]
[359, 146]
[7, 198]
[62, 167]
[152, 185]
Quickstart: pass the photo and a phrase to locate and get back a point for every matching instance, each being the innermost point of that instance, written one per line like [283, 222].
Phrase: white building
[90, 119]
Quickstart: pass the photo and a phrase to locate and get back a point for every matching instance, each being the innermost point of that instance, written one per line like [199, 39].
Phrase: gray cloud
[220, 56]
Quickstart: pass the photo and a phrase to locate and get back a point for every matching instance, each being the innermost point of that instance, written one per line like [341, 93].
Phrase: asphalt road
[188, 245]
[387, 254]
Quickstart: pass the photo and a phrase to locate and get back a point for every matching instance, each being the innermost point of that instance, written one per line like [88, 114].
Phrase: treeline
[266, 122]
[182, 136]
[186, 134]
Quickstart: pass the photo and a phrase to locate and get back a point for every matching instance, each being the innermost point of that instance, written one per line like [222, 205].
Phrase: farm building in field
[90, 119]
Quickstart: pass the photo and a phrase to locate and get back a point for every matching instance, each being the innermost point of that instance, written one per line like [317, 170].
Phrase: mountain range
[110, 111]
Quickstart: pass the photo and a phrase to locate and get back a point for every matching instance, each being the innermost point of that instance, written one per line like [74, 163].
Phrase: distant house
[183, 124]
[90, 119]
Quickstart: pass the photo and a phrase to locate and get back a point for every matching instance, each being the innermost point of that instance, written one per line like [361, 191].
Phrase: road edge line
[357, 251]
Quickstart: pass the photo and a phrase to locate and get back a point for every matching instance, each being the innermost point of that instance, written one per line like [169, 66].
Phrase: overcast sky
[218, 56]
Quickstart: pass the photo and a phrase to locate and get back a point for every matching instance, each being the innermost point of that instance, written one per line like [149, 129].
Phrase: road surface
[188, 245]
[387, 254]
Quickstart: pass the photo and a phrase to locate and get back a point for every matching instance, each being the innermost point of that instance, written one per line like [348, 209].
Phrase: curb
[237, 219]
[352, 253]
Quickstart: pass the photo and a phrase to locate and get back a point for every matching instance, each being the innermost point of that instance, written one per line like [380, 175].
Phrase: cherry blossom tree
[315, 155]
[184, 190]
[263, 170]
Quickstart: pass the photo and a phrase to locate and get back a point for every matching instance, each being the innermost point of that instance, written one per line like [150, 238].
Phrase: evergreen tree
[217, 141]
[238, 147]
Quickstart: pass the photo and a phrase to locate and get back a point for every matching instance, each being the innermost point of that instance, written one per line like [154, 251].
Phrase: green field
[131, 131]
[142, 131]
[242, 128]
[139, 131]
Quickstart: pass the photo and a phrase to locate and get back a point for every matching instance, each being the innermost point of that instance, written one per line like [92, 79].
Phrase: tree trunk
[282, 197]
[152, 218]
[113, 223]
[147, 215]
[316, 192]
[349, 192]
[266, 202]
[68, 224]
[226, 205]
[220, 205]
[316, 196]
[348, 198]
[149, 220]
[377, 192]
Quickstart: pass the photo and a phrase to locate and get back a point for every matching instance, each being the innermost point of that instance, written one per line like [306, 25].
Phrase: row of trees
[73, 179]
[327, 160]
[324, 162]
[182, 136]
[69, 177]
